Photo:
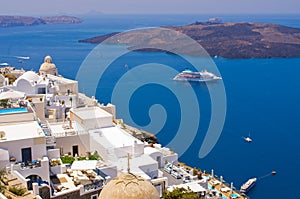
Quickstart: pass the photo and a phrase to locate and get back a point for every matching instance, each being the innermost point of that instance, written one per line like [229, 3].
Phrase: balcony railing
[50, 140]
[69, 133]
[93, 186]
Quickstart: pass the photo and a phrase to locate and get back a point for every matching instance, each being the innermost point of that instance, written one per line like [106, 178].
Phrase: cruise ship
[248, 185]
[202, 76]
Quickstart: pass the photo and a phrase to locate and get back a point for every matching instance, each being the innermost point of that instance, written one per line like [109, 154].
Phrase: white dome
[30, 76]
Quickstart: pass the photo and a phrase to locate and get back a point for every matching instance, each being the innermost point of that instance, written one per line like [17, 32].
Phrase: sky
[54, 7]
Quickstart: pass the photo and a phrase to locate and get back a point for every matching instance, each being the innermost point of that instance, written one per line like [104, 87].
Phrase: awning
[4, 155]
[84, 165]
[11, 94]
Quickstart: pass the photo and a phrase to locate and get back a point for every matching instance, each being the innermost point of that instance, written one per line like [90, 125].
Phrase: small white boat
[248, 185]
[202, 76]
[4, 64]
[22, 57]
[248, 139]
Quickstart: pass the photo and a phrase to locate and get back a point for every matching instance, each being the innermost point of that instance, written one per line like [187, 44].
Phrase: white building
[58, 120]
[114, 144]
[3, 80]
[25, 143]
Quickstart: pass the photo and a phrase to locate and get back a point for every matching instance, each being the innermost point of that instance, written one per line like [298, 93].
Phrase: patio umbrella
[11, 94]
[4, 155]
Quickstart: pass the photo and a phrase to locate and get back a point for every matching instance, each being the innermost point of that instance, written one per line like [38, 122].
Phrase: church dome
[48, 67]
[129, 186]
[48, 59]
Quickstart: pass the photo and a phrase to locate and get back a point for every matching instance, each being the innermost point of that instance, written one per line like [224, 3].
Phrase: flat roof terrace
[90, 113]
[115, 137]
[22, 131]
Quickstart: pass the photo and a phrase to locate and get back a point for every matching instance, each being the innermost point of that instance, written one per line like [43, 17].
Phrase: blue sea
[262, 95]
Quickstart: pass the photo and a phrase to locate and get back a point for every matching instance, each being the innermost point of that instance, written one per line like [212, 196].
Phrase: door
[75, 150]
[26, 154]
[158, 159]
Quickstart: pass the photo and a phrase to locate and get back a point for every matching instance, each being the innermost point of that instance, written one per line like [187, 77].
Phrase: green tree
[180, 193]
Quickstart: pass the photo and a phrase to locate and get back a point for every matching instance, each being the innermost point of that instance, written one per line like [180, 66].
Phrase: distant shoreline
[13, 21]
[236, 40]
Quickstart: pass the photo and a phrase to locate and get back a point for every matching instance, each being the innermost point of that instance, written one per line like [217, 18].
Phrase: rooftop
[194, 186]
[61, 129]
[60, 79]
[91, 113]
[135, 164]
[108, 135]
[29, 130]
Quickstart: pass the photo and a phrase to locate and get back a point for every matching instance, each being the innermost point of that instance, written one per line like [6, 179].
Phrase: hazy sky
[48, 7]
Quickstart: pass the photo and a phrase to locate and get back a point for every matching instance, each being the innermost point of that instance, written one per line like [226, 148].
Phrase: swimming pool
[13, 110]
[234, 195]
[223, 196]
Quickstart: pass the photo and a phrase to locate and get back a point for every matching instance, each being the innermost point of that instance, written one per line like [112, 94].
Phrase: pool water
[13, 110]
[234, 195]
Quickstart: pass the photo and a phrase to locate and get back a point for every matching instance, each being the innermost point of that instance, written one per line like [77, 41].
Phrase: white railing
[69, 133]
[50, 140]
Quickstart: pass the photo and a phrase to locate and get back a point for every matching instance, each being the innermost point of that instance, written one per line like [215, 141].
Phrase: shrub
[55, 162]
[17, 190]
[67, 159]
[95, 156]
[2, 188]
[180, 193]
[195, 171]
[4, 103]
[81, 158]
[11, 78]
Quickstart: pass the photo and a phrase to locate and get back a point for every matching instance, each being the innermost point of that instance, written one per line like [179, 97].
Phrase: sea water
[262, 96]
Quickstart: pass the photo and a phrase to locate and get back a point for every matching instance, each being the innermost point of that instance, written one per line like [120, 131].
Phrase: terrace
[84, 174]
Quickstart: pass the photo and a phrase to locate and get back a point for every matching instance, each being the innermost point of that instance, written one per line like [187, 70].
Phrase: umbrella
[11, 94]
[4, 155]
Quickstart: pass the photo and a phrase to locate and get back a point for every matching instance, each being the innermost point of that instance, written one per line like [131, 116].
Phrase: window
[41, 90]
[95, 196]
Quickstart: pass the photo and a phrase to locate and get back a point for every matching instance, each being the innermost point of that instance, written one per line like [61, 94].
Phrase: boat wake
[22, 57]
[267, 175]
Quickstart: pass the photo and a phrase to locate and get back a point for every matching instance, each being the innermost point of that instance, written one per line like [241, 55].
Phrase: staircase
[11, 181]
[46, 128]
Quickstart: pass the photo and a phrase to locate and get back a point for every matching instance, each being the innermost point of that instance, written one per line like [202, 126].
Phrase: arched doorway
[32, 179]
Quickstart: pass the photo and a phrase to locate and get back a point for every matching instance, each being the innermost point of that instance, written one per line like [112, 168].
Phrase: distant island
[228, 40]
[10, 21]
